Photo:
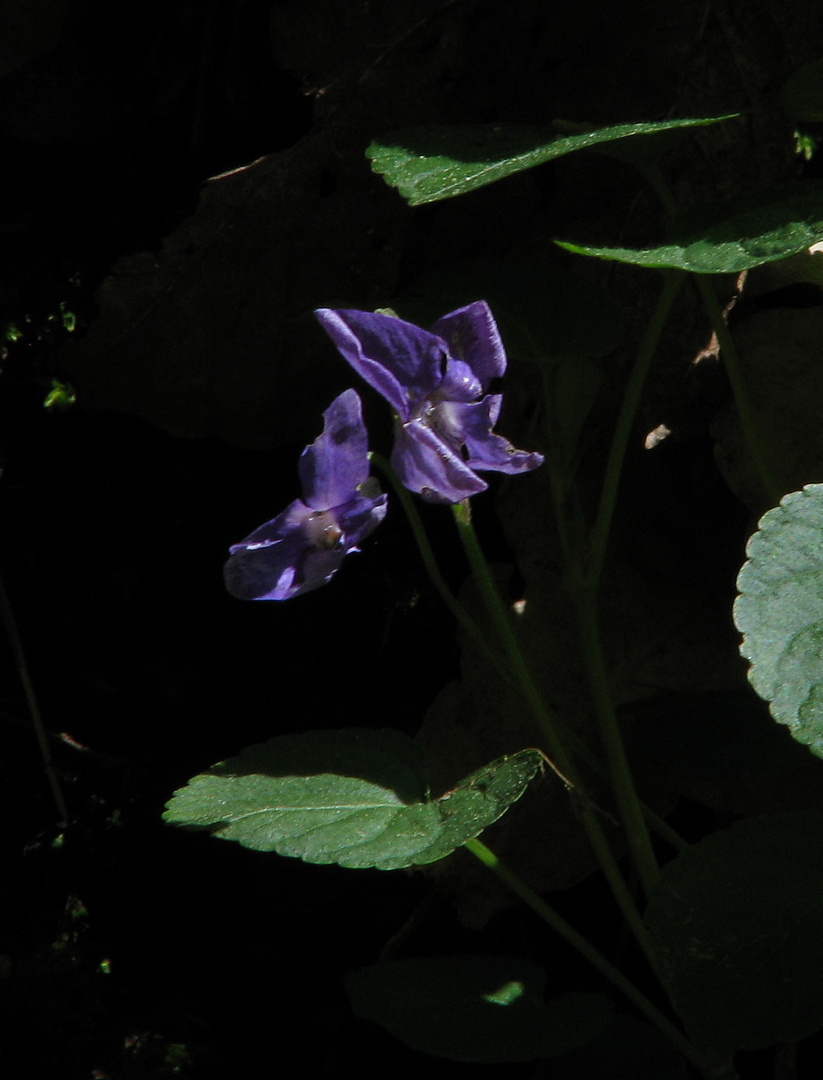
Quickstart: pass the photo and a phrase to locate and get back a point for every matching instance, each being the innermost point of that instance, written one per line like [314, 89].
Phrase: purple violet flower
[435, 380]
[302, 548]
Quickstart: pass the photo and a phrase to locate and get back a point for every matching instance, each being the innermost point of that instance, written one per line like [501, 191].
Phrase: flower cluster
[436, 382]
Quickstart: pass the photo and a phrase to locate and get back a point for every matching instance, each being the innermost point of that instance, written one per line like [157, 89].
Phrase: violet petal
[333, 466]
[266, 564]
[427, 465]
[361, 517]
[487, 450]
[471, 334]
[459, 383]
[395, 357]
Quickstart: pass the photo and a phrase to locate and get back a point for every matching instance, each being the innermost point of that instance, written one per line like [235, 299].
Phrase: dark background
[199, 377]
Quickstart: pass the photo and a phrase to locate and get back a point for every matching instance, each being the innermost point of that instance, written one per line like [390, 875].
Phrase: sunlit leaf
[427, 164]
[736, 926]
[780, 613]
[730, 236]
[354, 797]
[476, 1008]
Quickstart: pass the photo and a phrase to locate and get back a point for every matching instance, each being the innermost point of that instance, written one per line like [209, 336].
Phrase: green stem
[709, 1068]
[586, 578]
[546, 721]
[629, 805]
[464, 620]
[672, 279]
[13, 634]
[473, 630]
[664, 830]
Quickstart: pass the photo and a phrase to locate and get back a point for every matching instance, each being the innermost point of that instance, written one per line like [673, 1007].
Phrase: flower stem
[546, 721]
[672, 280]
[629, 805]
[586, 579]
[13, 634]
[711, 1069]
[475, 633]
[463, 618]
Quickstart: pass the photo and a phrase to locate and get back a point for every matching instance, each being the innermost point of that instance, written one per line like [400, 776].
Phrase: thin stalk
[432, 569]
[586, 578]
[495, 607]
[10, 624]
[629, 805]
[664, 830]
[672, 280]
[546, 721]
[711, 1069]
[473, 630]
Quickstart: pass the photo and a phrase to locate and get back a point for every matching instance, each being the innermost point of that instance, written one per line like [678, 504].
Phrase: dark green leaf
[731, 236]
[475, 1008]
[427, 164]
[630, 1048]
[736, 925]
[353, 797]
[780, 613]
[802, 96]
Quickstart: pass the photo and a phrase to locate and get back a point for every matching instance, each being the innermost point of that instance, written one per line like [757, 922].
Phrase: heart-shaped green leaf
[428, 164]
[486, 1009]
[730, 236]
[736, 925]
[354, 797]
[780, 613]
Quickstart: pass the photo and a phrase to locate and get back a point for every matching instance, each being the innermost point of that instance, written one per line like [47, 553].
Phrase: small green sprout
[60, 397]
[805, 145]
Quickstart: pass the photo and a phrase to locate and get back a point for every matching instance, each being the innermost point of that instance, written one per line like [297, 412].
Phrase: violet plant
[436, 382]
[303, 547]
[727, 971]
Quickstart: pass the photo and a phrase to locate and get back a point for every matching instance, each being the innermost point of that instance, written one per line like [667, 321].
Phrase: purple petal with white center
[337, 462]
[487, 450]
[427, 465]
[434, 380]
[271, 563]
[302, 548]
[398, 359]
[471, 334]
[447, 422]
[289, 522]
